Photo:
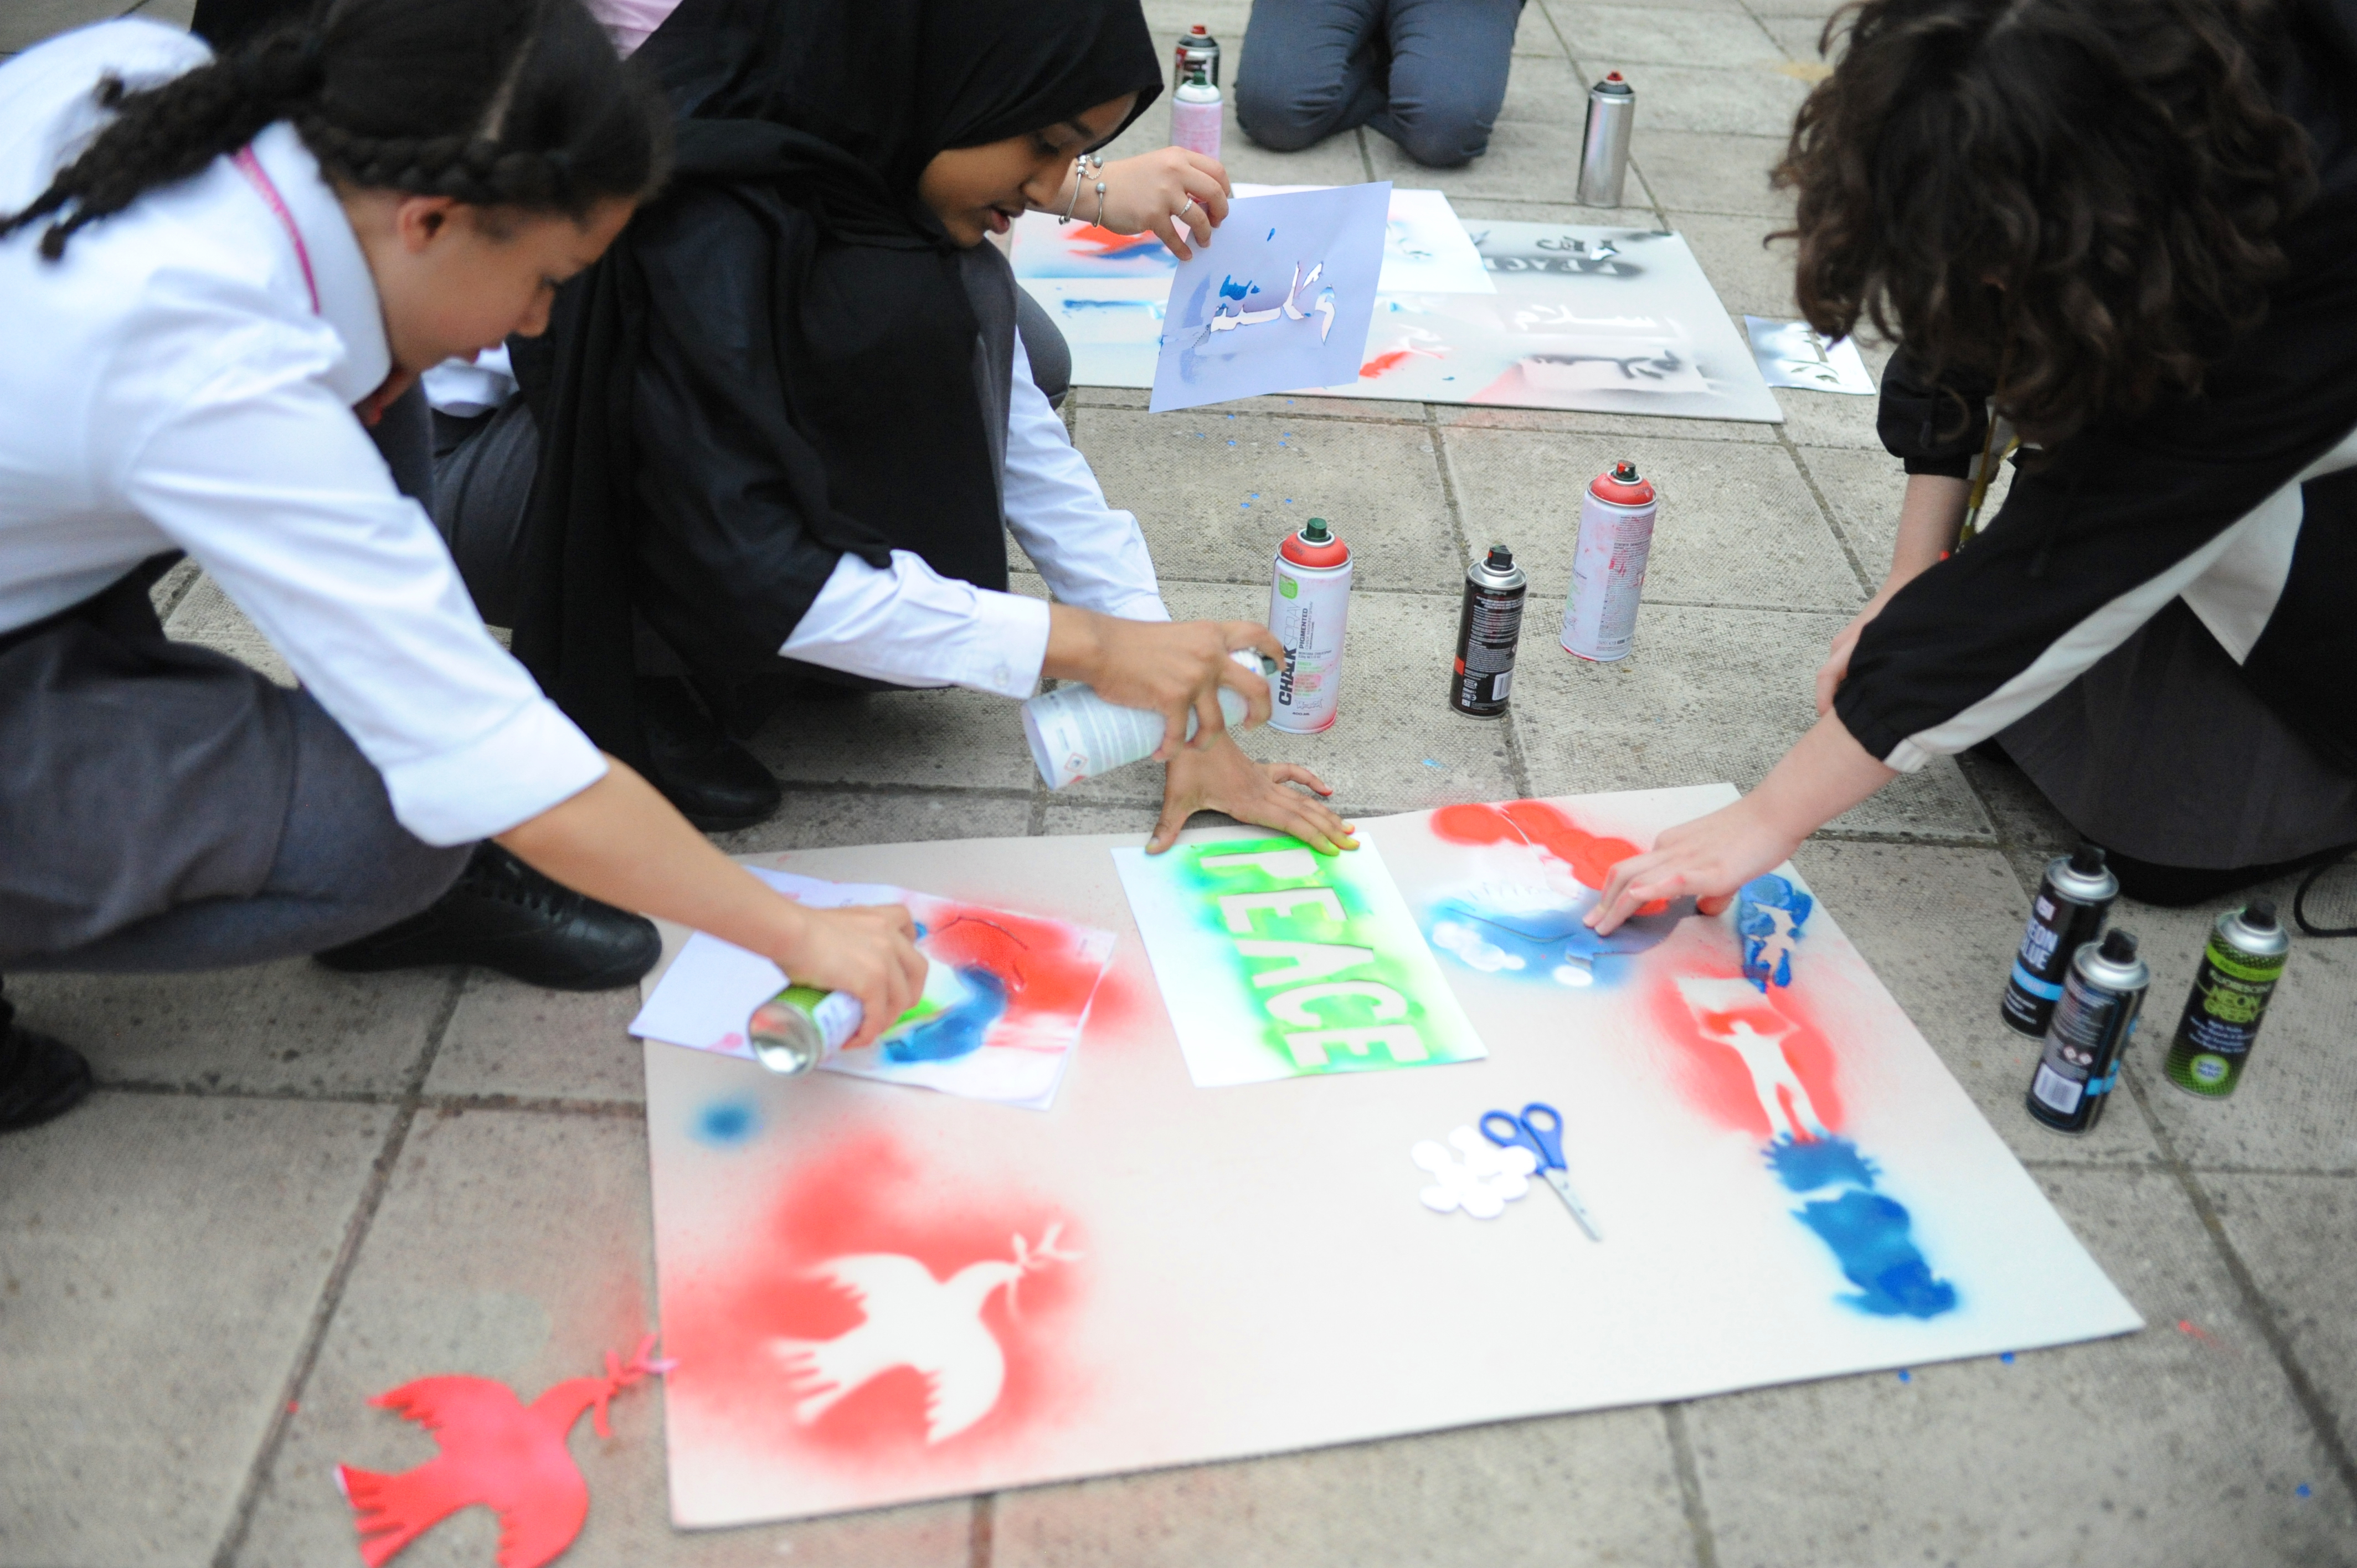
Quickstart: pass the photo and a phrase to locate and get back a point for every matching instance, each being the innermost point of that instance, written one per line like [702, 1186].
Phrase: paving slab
[1646, 427]
[1941, 927]
[1751, 100]
[1864, 489]
[292, 1027]
[2161, 1449]
[1531, 1493]
[1623, 36]
[1535, 34]
[518, 1246]
[1396, 747]
[2276, 1224]
[1534, 153]
[2296, 1108]
[207, 616]
[1285, 405]
[1637, 213]
[1689, 172]
[2030, 830]
[1215, 491]
[1835, 419]
[1802, 37]
[24, 22]
[160, 1259]
[1737, 523]
[1752, 278]
[1708, 695]
[817, 819]
[948, 738]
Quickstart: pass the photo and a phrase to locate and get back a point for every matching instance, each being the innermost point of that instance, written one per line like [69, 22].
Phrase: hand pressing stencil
[1480, 1179]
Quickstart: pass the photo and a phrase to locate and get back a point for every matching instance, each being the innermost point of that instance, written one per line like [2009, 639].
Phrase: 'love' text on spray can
[1487, 632]
[1308, 608]
[1608, 567]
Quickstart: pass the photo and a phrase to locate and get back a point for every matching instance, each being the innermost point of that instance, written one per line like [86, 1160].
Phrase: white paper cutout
[1479, 1179]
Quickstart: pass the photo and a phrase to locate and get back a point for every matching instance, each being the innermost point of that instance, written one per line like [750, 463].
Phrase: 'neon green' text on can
[2239, 971]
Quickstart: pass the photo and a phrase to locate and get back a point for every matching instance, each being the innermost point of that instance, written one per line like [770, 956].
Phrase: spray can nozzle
[2087, 859]
[2119, 946]
[1500, 559]
[2261, 914]
[1315, 531]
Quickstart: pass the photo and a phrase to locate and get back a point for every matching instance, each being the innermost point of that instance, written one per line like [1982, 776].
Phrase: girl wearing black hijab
[785, 426]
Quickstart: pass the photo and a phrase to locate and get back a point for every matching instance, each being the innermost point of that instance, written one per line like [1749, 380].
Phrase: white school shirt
[168, 385]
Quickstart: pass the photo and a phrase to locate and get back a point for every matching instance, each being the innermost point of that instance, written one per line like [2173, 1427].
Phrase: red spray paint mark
[1381, 362]
[1714, 1079]
[868, 1194]
[1544, 827]
[1045, 965]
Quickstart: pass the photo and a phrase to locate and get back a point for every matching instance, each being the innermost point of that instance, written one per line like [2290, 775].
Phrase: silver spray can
[1607, 566]
[1604, 157]
[1195, 116]
[801, 1027]
[2092, 1024]
[1308, 608]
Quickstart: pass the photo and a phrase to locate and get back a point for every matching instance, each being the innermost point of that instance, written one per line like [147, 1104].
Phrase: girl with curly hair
[2126, 230]
[208, 266]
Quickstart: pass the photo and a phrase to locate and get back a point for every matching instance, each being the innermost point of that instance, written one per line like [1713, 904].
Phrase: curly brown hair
[2076, 201]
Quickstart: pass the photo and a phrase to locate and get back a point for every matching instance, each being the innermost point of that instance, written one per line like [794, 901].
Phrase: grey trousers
[1429, 74]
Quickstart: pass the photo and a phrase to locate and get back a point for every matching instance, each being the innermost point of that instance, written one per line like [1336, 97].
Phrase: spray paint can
[801, 1027]
[1076, 735]
[1196, 47]
[1607, 566]
[1195, 116]
[2073, 896]
[1308, 606]
[2093, 1024]
[1604, 156]
[1486, 630]
[2221, 1022]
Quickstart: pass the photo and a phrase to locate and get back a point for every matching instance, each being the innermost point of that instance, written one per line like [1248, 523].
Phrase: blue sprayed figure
[1870, 1235]
[958, 1032]
[1534, 934]
[1769, 915]
[724, 1123]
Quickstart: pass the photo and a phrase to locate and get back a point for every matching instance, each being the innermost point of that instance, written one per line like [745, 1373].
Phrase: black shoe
[40, 1078]
[717, 784]
[505, 916]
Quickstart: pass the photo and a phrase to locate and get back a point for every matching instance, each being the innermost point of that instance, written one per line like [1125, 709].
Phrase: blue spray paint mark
[1511, 932]
[1769, 915]
[958, 1032]
[2303, 1490]
[724, 1123]
[2007, 1358]
[1905, 1376]
[1271, 234]
[1870, 1235]
[1231, 289]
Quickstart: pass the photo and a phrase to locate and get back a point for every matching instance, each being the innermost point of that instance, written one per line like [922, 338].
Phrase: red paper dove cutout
[496, 1452]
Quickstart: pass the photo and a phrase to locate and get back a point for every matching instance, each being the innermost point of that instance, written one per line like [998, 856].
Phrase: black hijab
[820, 116]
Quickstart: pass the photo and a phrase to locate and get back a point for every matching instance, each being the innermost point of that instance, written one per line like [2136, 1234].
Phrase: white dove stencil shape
[912, 1319]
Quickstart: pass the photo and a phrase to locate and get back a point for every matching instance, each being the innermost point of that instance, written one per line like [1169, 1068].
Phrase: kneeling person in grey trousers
[1429, 74]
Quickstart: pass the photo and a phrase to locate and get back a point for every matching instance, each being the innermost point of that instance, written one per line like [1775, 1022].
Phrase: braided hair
[519, 104]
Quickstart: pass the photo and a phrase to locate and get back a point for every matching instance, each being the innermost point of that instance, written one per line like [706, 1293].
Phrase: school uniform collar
[347, 297]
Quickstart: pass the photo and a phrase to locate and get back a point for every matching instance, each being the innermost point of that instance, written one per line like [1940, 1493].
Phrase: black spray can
[2068, 913]
[2239, 971]
[1487, 632]
[2102, 995]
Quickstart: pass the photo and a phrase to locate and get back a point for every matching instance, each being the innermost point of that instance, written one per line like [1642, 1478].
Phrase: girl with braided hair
[2127, 230]
[208, 266]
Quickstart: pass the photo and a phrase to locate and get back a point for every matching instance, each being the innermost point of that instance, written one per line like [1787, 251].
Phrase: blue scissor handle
[1538, 1129]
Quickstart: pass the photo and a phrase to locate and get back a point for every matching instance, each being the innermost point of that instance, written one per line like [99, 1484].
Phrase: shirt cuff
[1957, 466]
[534, 759]
[1004, 645]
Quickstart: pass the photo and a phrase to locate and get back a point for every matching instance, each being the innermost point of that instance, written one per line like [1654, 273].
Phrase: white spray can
[1607, 568]
[1195, 114]
[1309, 608]
[1076, 735]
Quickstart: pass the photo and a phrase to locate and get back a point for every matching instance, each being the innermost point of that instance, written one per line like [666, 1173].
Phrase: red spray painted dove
[496, 1452]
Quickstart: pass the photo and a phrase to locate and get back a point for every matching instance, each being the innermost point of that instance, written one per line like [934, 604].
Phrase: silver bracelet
[1081, 166]
[1100, 204]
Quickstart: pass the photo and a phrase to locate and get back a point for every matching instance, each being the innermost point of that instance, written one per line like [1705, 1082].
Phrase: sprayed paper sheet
[875, 1298]
[1275, 962]
[1008, 998]
[1795, 354]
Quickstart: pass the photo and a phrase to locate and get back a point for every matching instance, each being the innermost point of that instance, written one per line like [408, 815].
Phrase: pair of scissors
[1539, 1129]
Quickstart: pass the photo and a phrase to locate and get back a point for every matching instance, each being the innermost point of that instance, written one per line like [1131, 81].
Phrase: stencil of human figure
[1731, 1014]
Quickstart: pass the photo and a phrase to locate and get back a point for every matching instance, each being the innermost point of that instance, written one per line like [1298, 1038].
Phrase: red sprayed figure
[496, 1452]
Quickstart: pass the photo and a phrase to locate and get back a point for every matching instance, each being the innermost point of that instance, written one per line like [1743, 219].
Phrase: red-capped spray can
[1196, 47]
[1608, 567]
[1308, 606]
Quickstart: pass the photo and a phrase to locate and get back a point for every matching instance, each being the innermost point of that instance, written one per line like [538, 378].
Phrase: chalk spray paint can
[1195, 116]
[1076, 735]
[801, 1027]
[1607, 565]
[1604, 156]
[1196, 47]
[2093, 1024]
[2239, 971]
[2073, 898]
[1486, 630]
[1309, 608]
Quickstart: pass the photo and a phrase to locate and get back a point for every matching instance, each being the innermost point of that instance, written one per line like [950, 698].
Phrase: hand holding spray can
[2073, 896]
[1309, 608]
[2221, 1022]
[1076, 735]
[801, 1027]
[1195, 114]
[1488, 629]
[1607, 566]
[2093, 1024]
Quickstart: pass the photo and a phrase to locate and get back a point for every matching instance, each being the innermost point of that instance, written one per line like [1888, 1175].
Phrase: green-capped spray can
[2239, 971]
